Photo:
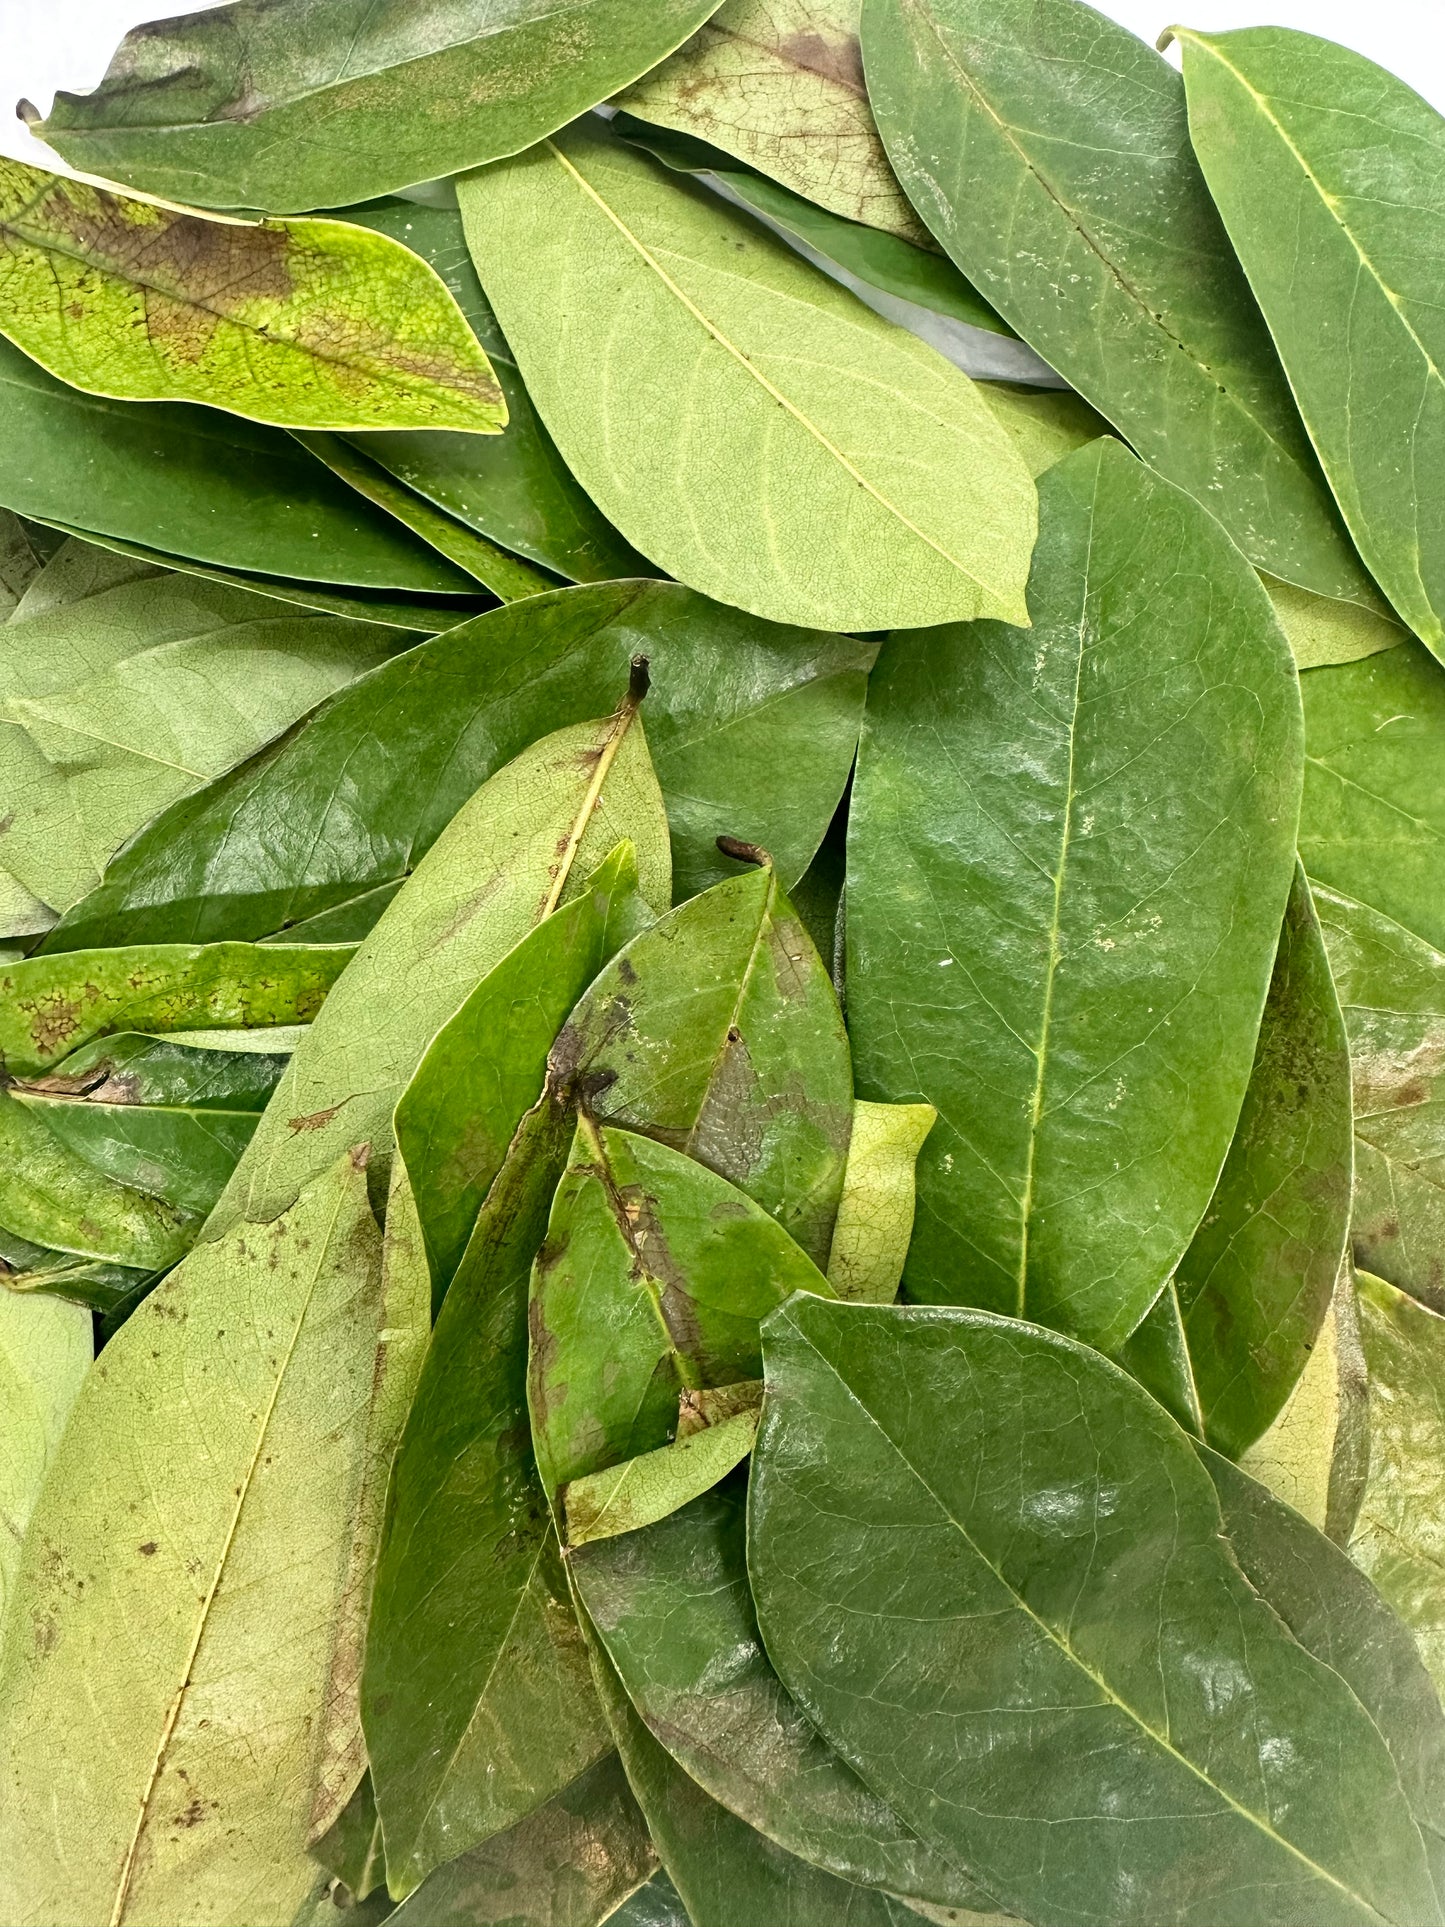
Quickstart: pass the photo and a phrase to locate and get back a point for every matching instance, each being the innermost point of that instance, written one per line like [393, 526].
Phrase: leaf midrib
[1060, 1641]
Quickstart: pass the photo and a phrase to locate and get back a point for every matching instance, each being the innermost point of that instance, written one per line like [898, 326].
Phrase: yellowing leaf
[307, 324]
[875, 1213]
[45, 1348]
[643, 1490]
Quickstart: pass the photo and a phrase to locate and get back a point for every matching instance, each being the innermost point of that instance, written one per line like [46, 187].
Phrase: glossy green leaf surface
[189, 1569]
[752, 729]
[1339, 1617]
[1296, 135]
[45, 1353]
[1315, 1454]
[719, 1033]
[308, 324]
[515, 487]
[673, 1609]
[779, 84]
[654, 1278]
[639, 1492]
[996, 114]
[112, 707]
[187, 480]
[1069, 853]
[1256, 1281]
[875, 1213]
[1398, 1538]
[476, 1698]
[1372, 824]
[794, 422]
[1392, 991]
[567, 1865]
[484, 1068]
[254, 106]
[531, 833]
[1031, 1579]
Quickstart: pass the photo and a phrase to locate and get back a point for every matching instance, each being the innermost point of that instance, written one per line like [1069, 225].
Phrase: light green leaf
[307, 324]
[1392, 992]
[1048, 150]
[188, 1577]
[74, 573]
[1313, 1456]
[1046, 424]
[20, 562]
[1299, 137]
[1372, 825]
[255, 106]
[779, 84]
[846, 476]
[653, 1280]
[527, 838]
[1399, 1538]
[875, 1212]
[1068, 858]
[45, 1353]
[992, 1571]
[1321, 631]
[719, 1033]
[112, 707]
[642, 1490]
[50, 1006]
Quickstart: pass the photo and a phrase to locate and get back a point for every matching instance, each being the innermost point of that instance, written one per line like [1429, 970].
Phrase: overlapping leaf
[45, 1353]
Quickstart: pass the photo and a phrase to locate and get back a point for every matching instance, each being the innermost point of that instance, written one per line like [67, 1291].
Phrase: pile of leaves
[722, 974]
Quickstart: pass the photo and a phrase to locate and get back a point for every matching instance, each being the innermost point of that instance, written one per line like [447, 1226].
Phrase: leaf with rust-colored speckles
[305, 324]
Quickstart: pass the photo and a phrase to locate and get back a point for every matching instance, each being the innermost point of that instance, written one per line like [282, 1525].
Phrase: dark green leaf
[752, 730]
[653, 1281]
[719, 1033]
[100, 1285]
[658, 1904]
[672, 1607]
[1048, 149]
[476, 1697]
[1302, 139]
[515, 487]
[175, 477]
[1392, 993]
[991, 1569]
[263, 105]
[1069, 854]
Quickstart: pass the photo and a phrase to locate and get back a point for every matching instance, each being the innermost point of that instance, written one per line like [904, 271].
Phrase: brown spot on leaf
[840, 61]
[150, 1548]
[315, 1121]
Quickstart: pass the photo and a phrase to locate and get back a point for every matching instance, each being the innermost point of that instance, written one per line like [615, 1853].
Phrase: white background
[45, 44]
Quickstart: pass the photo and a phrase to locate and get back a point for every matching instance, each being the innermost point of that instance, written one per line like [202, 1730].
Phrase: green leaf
[507, 576]
[1048, 149]
[642, 1490]
[476, 1697]
[1321, 631]
[1314, 1455]
[1372, 824]
[671, 1606]
[485, 1068]
[883, 262]
[191, 1573]
[45, 1353]
[189, 481]
[20, 562]
[251, 106]
[752, 730]
[112, 707]
[991, 1569]
[718, 1032]
[653, 1280]
[515, 487]
[828, 431]
[724, 1872]
[308, 324]
[567, 1865]
[38, 1269]
[1398, 1539]
[1046, 424]
[658, 1904]
[50, 1006]
[1068, 861]
[1298, 136]
[351, 1849]
[531, 833]
[1255, 1284]
[1339, 1617]
[779, 85]
[1392, 992]
[875, 1213]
